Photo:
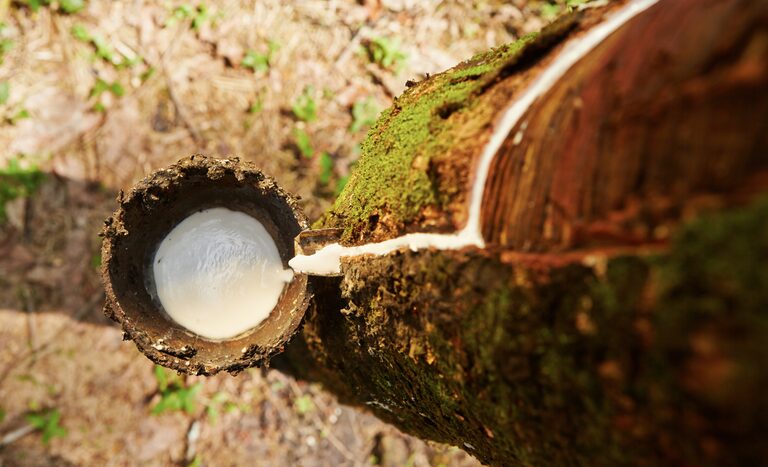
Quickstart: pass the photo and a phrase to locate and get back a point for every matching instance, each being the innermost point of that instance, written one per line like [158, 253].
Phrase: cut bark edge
[147, 213]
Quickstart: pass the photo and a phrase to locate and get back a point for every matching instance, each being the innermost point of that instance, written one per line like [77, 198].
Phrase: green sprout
[47, 422]
[552, 9]
[20, 114]
[364, 113]
[103, 49]
[259, 62]
[326, 168]
[5, 92]
[304, 107]
[100, 87]
[67, 6]
[199, 15]
[304, 405]
[5, 46]
[174, 394]
[386, 53]
[256, 61]
[256, 107]
[17, 181]
[303, 143]
[147, 74]
[71, 6]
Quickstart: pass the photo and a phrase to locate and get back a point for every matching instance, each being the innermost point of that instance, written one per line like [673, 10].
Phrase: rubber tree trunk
[618, 312]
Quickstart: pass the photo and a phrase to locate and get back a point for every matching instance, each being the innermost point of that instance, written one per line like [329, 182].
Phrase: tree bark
[617, 313]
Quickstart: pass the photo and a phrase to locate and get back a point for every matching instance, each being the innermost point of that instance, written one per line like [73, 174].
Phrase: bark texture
[619, 313]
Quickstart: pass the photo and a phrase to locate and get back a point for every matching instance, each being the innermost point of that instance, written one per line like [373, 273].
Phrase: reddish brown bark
[667, 114]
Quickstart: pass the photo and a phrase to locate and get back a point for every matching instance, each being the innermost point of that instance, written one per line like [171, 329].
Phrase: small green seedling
[103, 48]
[364, 113]
[259, 62]
[66, 6]
[386, 53]
[17, 181]
[256, 107]
[47, 422]
[20, 114]
[5, 92]
[304, 405]
[174, 394]
[147, 74]
[255, 61]
[303, 143]
[5, 46]
[553, 9]
[326, 168]
[304, 107]
[71, 6]
[219, 401]
[199, 15]
[100, 87]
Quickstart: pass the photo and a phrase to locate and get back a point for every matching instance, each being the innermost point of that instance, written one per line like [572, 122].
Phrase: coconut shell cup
[144, 217]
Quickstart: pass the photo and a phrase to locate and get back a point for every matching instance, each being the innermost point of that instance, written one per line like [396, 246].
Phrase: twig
[16, 435]
[193, 434]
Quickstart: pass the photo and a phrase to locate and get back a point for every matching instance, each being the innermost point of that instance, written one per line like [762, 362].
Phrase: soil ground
[98, 98]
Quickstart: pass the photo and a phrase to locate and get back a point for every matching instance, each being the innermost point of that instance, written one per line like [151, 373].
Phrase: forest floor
[93, 97]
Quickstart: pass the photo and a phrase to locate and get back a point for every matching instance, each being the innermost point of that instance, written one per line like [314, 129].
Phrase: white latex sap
[218, 273]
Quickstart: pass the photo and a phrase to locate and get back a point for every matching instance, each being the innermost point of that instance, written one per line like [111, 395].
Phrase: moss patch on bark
[413, 173]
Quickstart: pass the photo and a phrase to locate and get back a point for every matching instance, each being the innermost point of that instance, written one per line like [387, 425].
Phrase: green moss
[441, 120]
[392, 177]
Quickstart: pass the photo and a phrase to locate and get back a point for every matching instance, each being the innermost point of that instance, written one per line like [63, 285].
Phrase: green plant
[20, 114]
[304, 107]
[552, 9]
[255, 61]
[147, 74]
[17, 181]
[103, 48]
[326, 168]
[47, 422]
[303, 143]
[256, 106]
[100, 87]
[67, 6]
[304, 405]
[71, 6]
[386, 53]
[364, 113]
[259, 62]
[5, 92]
[5, 46]
[199, 15]
[175, 395]
[2, 415]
